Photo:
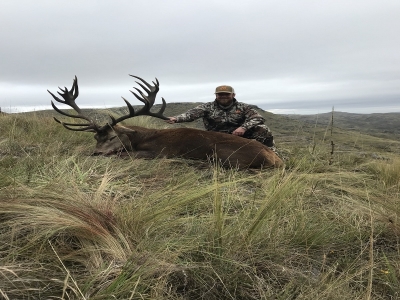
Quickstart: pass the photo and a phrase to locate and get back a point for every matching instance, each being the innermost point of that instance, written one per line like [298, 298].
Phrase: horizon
[22, 109]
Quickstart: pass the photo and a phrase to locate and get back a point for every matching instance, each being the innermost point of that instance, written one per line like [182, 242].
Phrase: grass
[74, 226]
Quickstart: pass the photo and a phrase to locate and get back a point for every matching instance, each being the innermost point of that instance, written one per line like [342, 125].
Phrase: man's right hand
[239, 131]
[171, 120]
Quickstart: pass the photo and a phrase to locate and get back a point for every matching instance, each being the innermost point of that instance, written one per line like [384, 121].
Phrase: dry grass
[80, 227]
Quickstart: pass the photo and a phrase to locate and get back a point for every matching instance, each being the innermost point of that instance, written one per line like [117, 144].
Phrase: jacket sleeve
[192, 114]
[252, 118]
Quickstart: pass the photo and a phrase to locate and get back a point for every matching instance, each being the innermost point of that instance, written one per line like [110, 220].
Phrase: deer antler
[69, 99]
[148, 101]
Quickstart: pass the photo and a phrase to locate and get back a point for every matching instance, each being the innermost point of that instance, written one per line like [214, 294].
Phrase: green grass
[74, 226]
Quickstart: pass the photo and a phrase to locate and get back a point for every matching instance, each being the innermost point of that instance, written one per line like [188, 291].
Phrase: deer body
[188, 143]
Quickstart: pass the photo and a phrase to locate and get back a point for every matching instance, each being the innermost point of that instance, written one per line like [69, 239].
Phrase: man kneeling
[226, 114]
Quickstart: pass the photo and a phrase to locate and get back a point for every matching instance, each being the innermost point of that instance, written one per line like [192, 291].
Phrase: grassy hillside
[73, 226]
[382, 124]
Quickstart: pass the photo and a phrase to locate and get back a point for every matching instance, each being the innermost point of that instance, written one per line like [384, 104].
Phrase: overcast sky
[286, 56]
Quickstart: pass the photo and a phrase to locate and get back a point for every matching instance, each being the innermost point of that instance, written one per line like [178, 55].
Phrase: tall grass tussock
[74, 226]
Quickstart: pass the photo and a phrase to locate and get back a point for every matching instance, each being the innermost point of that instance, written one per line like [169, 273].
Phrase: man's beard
[225, 102]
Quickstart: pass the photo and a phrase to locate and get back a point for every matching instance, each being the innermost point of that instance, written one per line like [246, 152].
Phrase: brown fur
[188, 143]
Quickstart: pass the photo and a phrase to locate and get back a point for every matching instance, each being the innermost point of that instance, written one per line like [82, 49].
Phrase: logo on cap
[224, 89]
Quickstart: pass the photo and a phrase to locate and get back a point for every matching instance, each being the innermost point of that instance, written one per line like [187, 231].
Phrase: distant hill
[377, 124]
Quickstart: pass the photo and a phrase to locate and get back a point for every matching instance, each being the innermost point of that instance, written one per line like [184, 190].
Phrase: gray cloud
[281, 55]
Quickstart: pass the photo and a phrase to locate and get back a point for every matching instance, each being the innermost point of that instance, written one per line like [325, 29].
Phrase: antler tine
[163, 106]
[116, 121]
[89, 127]
[69, 99]
[67, 114]
[144, 98]
[159, 114]
[148, 101]
[69, 96]
[145, 111]
[144, 81]
[152, 89]
[55, 97]
[143, 87]
[155, 88]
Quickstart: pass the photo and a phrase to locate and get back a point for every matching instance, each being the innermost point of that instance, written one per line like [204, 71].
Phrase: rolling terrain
[377, 124]
[76, 226]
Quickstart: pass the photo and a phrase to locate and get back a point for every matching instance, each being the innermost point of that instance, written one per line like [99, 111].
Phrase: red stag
[188, 143]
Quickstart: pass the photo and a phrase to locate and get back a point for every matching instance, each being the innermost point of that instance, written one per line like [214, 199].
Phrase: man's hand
[239, 131]
[171, 120]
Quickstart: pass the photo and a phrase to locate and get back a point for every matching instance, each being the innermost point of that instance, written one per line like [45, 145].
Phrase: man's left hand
[239, 131]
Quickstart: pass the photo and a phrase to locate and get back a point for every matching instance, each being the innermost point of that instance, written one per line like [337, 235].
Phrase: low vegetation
[376, 124]
[74, 226]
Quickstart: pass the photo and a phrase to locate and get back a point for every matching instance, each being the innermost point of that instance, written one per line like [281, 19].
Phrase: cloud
[279, 53]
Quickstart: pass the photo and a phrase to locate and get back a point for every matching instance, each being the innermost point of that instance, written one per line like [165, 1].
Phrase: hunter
[227, 115]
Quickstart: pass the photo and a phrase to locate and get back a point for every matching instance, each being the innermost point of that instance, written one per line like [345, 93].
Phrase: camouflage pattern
[227, 119]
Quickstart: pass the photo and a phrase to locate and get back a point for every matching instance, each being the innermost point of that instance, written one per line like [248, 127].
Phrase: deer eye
[111, 138]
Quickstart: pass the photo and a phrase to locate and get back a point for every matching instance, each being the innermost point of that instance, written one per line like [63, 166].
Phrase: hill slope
[75, 226]
[379, 124]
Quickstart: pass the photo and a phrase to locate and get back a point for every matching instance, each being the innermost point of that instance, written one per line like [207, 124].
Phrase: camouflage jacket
[218, 118]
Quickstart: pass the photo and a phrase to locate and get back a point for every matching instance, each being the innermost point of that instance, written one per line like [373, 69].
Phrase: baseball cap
[224, 89]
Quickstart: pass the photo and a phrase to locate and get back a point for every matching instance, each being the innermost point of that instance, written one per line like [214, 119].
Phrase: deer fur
[188, 143]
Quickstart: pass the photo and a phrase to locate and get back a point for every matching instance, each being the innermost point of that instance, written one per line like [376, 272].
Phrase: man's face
[225, 99]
